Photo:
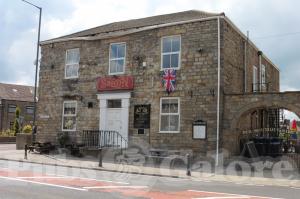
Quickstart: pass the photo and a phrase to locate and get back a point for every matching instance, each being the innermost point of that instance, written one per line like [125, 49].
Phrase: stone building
[99, 78]
[11, 97]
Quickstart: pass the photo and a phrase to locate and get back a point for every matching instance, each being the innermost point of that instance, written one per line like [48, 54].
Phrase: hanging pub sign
[199, 129]
[169, 80]
[142, 116]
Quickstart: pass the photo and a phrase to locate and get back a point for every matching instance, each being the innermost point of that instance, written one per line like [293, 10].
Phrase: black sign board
[142, 116]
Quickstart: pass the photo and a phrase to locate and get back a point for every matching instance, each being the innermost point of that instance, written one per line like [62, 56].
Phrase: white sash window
[169, 115]
[72, 63]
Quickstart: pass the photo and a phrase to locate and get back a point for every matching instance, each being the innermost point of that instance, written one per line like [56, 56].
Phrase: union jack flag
[169, 80]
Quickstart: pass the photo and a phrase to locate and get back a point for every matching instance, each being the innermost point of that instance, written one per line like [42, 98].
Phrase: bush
[7, 133]
[27, 129]
[17, 120]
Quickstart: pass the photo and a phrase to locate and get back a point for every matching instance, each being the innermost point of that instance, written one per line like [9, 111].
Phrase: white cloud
[21, 57]
[88, 14]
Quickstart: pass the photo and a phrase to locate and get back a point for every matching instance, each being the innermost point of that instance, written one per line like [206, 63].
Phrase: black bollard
[25, 155]
[188, 165]
[100, 157]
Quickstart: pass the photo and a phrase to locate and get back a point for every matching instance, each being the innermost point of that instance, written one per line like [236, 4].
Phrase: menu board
[142, 116]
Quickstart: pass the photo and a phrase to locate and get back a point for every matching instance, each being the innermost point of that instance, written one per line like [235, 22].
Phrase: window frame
[29, 107]
[69, 115]
[114, 59]
[8, 107]
[160, 114]
[71, 64]
[263, 75]
[170, 53]
[254, 83]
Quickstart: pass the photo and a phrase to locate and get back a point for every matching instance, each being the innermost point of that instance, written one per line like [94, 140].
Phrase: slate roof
[16, 92]
[142, 22]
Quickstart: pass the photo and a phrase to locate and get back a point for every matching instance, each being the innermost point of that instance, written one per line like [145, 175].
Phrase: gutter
[218, 94]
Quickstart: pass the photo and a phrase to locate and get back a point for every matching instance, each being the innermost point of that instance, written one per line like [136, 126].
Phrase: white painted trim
[177, 52]
[63, 115]
[125, 97]
[121, 95]
[72, 77]
[109, 59]
[160, 113]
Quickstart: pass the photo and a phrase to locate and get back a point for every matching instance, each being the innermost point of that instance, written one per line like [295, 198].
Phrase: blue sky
[269, 23]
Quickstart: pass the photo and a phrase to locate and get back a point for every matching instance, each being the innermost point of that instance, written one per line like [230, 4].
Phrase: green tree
[17, 121]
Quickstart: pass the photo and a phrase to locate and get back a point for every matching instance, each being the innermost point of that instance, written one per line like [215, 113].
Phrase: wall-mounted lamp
[140, 60]
[200, 50]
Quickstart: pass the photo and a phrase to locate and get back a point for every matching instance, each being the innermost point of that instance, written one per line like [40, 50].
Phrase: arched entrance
[252, 113]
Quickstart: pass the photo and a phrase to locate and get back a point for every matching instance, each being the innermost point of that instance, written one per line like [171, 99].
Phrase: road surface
[26, 180]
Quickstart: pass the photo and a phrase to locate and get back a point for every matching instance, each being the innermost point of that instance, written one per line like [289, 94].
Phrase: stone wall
[195, 79]
[196, 82]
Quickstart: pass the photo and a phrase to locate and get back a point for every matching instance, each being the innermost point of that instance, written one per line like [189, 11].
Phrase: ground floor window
[69, 116]
[169, 115]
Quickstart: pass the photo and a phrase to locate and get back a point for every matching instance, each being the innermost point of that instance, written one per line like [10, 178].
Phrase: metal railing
[261, 87]
[99, 139]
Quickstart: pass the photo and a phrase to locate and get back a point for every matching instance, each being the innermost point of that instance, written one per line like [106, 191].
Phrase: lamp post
[36, 67]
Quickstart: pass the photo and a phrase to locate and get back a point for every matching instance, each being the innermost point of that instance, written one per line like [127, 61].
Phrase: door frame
[125, 98]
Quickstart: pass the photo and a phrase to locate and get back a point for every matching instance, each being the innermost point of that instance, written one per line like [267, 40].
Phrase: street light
[36, 67]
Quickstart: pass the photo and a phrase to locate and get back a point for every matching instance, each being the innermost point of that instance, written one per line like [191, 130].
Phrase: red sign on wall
[115, 83]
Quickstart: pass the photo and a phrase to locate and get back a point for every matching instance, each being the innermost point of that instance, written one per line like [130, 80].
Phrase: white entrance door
[114, 112]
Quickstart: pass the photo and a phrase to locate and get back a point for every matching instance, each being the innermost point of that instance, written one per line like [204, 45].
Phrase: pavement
[283, 179]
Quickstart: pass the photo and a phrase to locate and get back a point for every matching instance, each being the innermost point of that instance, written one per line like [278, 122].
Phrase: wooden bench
[41, 147]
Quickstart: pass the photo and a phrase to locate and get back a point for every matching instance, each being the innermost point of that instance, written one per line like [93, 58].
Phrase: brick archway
[238, 105]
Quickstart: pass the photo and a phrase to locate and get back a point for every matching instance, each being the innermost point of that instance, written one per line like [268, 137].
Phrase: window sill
[112, 74]
[69, 130]
[162, 69]
[169, 132]
[71, 77]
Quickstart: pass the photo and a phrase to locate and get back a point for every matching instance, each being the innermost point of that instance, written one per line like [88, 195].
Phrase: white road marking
[42, 183]
[40, 177]
[116, 187]
[71, 177]
[231, 194]
[295, 187]
[249, 184]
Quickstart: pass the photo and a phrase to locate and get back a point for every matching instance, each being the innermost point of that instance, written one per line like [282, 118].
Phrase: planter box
[8, 139]
[22, 139]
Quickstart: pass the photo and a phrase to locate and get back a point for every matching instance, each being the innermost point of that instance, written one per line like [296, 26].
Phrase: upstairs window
[170, 54]
[169, 115]
[69, 116]
[117, 58]
[72, 63]
[12, 108]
